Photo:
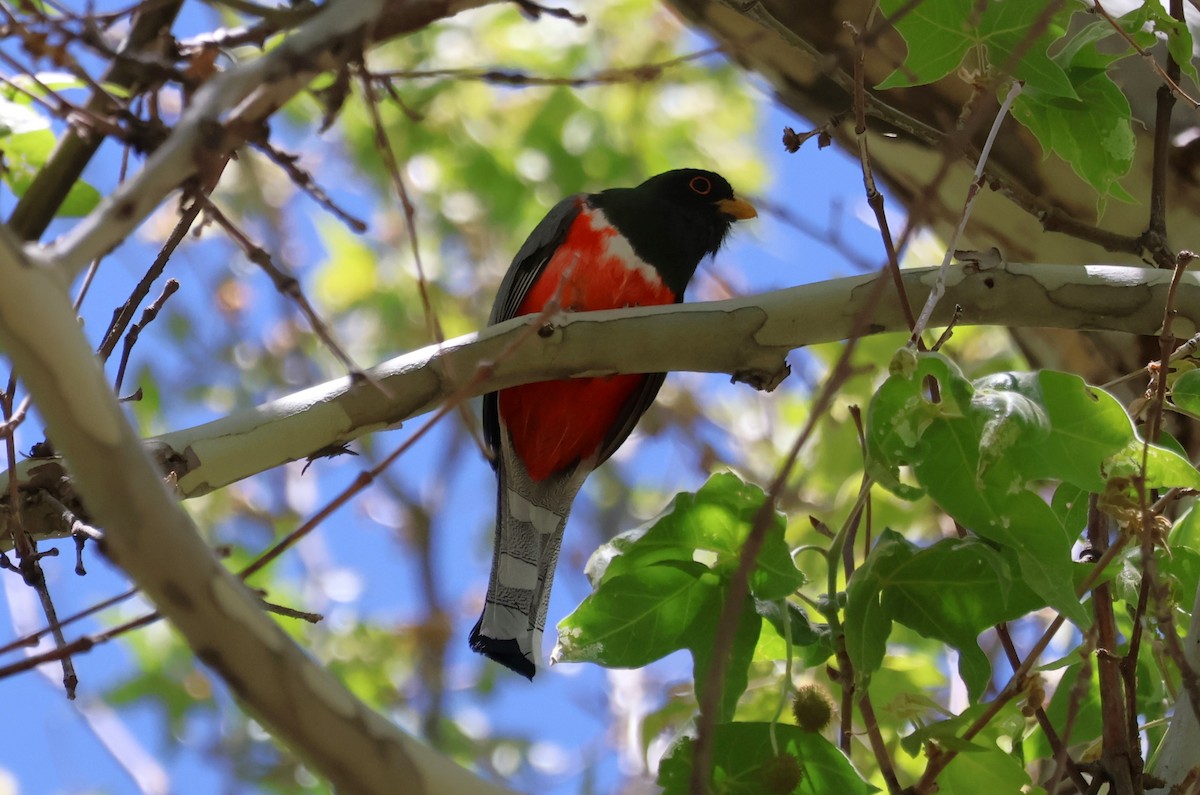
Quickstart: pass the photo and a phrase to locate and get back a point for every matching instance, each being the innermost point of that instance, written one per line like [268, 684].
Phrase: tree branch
[747, 337]
[232, 107]
[152, 539]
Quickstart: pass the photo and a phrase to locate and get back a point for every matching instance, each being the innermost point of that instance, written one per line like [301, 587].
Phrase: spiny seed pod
[812, 708]
[780, 775]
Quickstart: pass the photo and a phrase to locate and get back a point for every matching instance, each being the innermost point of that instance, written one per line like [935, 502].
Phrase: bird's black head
[675, 219]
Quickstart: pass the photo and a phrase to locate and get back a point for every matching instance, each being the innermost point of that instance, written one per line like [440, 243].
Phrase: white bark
[150, 537]
[746, 337]
[146, 532]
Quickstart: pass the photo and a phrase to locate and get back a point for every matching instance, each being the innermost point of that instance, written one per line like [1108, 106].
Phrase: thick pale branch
[151, 538]
[746, 337]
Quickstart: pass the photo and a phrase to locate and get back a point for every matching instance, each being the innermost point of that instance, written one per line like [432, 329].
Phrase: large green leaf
[939, 33]
[744, 763]
[633, 619]
[1185, 392]
[982, 448]
[715, 520]
[951, 591]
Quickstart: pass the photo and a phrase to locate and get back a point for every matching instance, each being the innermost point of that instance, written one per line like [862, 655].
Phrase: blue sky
[48, 746]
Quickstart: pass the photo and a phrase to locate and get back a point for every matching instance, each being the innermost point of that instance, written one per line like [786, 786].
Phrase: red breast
[556, 423]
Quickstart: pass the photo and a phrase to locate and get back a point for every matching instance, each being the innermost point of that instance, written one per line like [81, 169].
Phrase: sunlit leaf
[742, 756]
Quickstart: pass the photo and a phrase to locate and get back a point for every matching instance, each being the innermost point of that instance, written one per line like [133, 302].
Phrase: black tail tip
[505, 652]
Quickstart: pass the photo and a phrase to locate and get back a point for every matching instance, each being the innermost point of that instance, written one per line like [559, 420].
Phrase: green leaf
[976, 452]
[1186, 532]
[742, 754]
[868, 617]
[1086, 710]
[1007, 728]
[25, 152]
[1179, 36]
[1164, 468]
[1093, 133]
[737, 669]
[1002, 771]
[633, 619]
[939, 33]
[811, 643]
[1070, 505]
[900, 413]
[951, 591]
[1180, 567]
[1185, 392]
[1003, 512]
[1074, 430]
[716, 520]
[1081, 52]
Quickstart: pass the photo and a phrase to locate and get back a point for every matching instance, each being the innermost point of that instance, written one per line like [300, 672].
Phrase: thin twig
[305, 182]
[1118, 754]
[874, 196]
[124, 315]
[288, 286]
[40, 202]
[939, 288]
[1063, 760]
[148, 316]
[938, 763]
[642, 73]
[384, 147]
[410, 214]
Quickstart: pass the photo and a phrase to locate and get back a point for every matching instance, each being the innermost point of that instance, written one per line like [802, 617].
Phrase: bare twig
[305, 182]
[41, 200]
[1119, 754]
[384, 147]
[287, 285]
[937, 763]
[124, 315]
[643, 73]
[874, 196]
[231, 107]
[1062, 758]
[148, 317]
[939, 288]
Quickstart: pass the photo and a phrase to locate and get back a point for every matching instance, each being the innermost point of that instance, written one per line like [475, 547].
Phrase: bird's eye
[701, 185]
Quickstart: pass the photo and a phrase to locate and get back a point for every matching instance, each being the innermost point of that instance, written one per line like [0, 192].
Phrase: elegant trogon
[617, 248]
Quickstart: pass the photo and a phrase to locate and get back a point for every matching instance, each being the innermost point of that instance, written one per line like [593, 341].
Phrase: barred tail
[530, 518]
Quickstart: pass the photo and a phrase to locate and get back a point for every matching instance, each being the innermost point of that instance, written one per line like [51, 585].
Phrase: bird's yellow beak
[738, 208]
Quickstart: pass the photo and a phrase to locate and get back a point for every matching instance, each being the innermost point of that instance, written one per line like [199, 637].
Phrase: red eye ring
[701, 185]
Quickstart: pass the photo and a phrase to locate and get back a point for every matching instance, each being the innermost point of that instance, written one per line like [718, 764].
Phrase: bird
[617, 248]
